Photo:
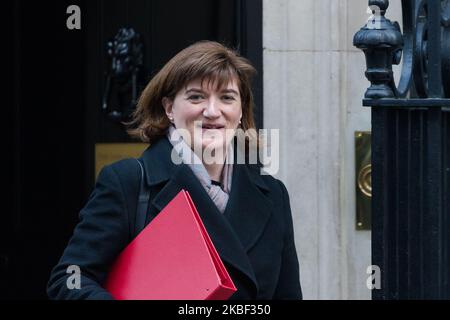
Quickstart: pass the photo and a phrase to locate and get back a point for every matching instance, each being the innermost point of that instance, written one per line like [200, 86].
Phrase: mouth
[206, 126]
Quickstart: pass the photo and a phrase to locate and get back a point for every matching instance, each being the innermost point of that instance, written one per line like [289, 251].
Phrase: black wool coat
[254, 236]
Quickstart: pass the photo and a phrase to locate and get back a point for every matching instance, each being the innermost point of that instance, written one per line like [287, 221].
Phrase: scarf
[219, 195]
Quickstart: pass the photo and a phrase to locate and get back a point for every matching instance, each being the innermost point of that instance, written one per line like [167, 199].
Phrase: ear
[167, 105]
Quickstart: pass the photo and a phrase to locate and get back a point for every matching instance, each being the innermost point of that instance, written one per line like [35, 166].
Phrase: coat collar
[248, 210]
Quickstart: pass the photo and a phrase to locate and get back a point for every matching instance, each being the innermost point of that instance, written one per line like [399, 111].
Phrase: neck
[214, 170]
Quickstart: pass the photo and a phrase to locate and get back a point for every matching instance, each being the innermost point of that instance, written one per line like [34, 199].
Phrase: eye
[228, 98]
[196, 97]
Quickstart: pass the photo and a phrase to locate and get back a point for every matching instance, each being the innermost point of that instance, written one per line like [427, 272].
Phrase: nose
[212, 109]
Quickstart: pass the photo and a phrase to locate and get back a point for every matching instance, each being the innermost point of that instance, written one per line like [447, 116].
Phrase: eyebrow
[194, 90]
[197, 90]
[230, 91]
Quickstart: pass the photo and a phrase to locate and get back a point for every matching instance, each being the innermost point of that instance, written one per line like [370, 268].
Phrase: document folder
[173, 258]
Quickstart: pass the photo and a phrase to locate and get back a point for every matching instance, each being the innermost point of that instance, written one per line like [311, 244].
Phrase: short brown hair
[204, 60]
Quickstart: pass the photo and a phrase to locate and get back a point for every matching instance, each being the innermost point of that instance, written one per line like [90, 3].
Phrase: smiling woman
[193, 105]
[214, 111]
[204, 66]
[205, 93]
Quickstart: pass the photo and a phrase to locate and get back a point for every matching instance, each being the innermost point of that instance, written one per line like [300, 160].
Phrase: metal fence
[410, 148]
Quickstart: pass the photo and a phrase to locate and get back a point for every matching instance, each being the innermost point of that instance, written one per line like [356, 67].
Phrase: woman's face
[208, 114]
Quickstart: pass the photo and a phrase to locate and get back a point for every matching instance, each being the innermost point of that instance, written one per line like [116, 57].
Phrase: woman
[189, 113]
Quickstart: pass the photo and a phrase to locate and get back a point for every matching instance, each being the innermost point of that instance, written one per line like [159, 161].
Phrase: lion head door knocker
[125, 74]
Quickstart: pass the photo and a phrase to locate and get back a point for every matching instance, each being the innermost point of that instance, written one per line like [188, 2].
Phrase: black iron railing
[410, 148]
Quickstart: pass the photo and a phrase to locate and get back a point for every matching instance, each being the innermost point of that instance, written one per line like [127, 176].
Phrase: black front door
[58, 81]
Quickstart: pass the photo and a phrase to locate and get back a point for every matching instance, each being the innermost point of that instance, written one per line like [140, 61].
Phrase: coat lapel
[248, 209]
[234, 232]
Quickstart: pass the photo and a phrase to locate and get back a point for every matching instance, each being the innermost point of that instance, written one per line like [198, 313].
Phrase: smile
[212, 126]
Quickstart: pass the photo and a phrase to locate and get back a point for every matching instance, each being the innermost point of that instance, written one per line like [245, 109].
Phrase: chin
[213, 144]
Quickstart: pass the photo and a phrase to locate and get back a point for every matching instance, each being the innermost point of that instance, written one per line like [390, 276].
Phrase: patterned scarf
[219, 195]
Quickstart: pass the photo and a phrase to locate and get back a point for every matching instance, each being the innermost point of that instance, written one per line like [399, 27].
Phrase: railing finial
[382, 42]
[381, 4]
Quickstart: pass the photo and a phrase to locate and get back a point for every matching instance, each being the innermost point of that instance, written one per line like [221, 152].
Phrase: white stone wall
[313, 86]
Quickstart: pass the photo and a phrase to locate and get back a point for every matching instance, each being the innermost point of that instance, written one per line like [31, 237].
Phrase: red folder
[173, 258]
